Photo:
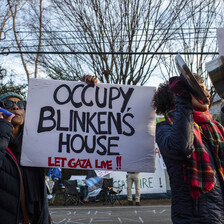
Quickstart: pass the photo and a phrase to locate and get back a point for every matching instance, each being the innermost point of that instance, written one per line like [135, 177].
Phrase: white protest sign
[102, 127]
[220, 38]
[150, 183]
[102, 173]
[161, 161]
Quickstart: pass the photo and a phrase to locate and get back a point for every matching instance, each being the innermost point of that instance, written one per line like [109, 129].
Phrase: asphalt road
[150, 214]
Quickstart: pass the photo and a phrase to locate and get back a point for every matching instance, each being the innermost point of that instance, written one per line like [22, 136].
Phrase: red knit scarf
[198, 172]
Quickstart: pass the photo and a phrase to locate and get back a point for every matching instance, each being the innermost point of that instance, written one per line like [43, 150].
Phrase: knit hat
[10, 94]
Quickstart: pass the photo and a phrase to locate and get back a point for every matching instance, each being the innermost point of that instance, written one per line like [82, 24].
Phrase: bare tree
[117, 40]
[195, 36]
[6, 81]
[112, 33]
[4, 17]
[19, 36]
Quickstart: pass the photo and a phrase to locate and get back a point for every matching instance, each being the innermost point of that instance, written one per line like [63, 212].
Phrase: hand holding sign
[89, 79]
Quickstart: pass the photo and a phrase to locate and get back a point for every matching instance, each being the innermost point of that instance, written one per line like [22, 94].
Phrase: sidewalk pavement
[143, 202]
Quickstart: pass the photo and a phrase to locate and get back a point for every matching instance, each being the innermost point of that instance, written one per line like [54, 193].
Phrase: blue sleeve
[176, 141]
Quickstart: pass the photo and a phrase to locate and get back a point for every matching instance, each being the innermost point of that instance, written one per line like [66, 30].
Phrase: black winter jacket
[9, 179]
[176, 144]
[33, 179]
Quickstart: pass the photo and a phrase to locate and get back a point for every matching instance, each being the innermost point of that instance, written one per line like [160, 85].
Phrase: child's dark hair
[163, 99]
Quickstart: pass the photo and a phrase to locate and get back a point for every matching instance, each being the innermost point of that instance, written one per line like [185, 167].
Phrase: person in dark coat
[9, 179]
[22, 189]
[192, 146]
[222, 113]
[23, 193]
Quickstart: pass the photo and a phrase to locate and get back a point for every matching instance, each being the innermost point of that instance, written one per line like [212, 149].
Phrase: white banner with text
[150, 183]
[102, 127]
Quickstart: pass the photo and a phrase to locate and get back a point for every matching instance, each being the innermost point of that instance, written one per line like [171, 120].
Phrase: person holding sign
[192, 146]
[23, 191]
[23, 197]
